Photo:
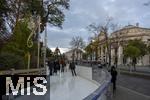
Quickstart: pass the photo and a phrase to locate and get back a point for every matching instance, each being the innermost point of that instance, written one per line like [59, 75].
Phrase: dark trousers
[55, 71]
[62, 69]
[73, 72]
[114, 86]
[51, 72]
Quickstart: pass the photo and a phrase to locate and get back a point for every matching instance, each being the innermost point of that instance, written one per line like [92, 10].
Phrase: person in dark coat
[114, 77]
[72, 67]
[57, 65]
[51, 67]
[55, 68]
[62, 64]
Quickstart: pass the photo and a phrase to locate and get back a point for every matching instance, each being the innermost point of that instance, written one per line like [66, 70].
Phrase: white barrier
[85, 72]
[100, 93]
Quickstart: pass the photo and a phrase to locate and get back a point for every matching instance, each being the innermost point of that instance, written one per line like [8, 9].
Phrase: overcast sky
[84, 12]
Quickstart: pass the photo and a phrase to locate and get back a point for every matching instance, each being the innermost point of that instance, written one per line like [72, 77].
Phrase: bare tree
[77, 43]
[115, 42]
[103, 29]
[95, 29]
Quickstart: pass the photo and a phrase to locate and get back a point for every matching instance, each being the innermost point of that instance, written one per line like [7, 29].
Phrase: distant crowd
[61, 66]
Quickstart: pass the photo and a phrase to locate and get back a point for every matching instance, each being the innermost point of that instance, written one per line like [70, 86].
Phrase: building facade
[75, 54]
[118, 40]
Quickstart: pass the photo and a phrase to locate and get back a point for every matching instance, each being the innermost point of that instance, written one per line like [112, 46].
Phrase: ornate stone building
[76, 53]
[118, 40]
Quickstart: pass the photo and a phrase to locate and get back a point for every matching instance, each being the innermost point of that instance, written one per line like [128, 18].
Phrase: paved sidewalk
[144, 70]
[127, 94]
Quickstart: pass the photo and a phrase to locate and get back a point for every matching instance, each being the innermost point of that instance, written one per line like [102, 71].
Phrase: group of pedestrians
[56, 66]
[60, 66]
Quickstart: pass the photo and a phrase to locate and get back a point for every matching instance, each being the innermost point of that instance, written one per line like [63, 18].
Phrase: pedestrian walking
[56, 67]
[114, 77]
[51, 67]
[62, 64]
[72, 67]
[47, 69]
[66, 66]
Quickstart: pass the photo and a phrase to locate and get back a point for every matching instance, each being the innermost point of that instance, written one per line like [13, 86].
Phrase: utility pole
[45, 47]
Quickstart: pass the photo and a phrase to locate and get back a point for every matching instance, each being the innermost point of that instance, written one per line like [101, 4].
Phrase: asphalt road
[128, 87]
[132, 88]
[138, 84]
[123, 93]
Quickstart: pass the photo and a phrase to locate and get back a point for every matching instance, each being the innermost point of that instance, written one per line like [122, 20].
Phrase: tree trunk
[108, 49]
[96, 53]
[142, 61]
[149, 60]
[116, 57]
[134, 63]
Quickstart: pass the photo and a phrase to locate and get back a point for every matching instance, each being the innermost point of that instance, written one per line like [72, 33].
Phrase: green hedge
[9, 60]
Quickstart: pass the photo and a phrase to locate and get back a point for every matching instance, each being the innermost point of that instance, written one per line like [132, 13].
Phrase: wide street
[137, 84]
[129, 87]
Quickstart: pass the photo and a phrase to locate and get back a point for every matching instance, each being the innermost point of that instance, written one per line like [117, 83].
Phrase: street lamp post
[91, 52]
[45, 47]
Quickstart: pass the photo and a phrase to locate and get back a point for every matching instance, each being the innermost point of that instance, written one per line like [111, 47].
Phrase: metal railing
[41, 71]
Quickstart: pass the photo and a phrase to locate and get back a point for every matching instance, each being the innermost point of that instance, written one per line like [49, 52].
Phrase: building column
[101, 54]
[98, 53]
[120, 55]
[112, 56]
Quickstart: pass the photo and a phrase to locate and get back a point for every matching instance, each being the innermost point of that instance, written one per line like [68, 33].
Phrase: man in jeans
[72, 67]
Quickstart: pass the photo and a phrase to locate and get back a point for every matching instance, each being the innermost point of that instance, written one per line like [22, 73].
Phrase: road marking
[146, 96]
